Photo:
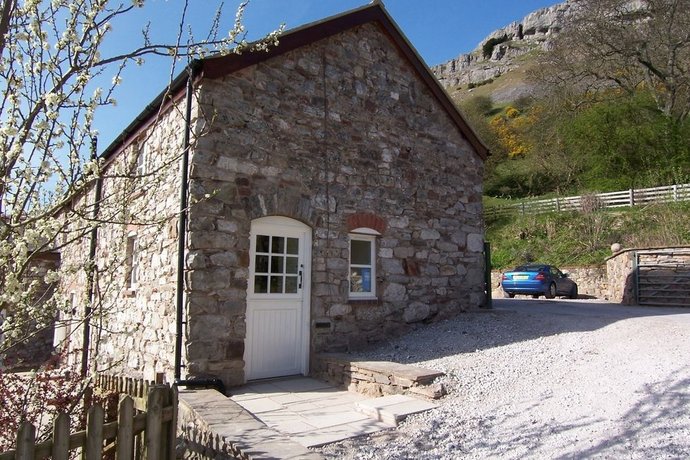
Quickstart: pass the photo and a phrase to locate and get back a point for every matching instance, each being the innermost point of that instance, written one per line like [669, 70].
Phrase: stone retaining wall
[620, 269]
[376, 378]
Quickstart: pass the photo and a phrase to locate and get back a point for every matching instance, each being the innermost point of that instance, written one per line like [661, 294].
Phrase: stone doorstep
[393, 409]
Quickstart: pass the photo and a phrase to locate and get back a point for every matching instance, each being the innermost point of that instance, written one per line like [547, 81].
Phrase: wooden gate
[663, 277]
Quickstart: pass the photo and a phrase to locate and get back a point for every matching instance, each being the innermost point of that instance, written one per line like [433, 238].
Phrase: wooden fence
[145, 427]
[625, 198]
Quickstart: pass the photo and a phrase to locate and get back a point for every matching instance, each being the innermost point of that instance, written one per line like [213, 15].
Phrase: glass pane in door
[276, 264]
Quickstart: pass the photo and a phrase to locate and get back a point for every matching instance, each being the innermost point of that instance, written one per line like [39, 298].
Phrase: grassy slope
[567, 239]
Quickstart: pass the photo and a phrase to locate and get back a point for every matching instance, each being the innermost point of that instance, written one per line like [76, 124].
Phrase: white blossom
[51, 99]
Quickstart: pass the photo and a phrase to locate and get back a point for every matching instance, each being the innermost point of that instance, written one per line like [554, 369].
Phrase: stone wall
[377, 378]
[132, 327]
[338, 133]
[614, 282]
[339, 128]
[592, 282]
[620, 271]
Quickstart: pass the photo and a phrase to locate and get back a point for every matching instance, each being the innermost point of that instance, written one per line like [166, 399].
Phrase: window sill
[364, 301]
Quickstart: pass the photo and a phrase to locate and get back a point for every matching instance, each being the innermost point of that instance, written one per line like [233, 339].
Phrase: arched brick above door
[366, 220]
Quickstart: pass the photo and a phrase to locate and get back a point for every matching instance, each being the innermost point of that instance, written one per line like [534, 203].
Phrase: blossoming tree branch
[55, 76]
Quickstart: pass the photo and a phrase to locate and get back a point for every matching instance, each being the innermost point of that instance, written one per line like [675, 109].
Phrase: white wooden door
[277, 342]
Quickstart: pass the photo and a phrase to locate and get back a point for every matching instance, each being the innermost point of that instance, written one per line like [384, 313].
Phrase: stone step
[393, 409]
[377, 378]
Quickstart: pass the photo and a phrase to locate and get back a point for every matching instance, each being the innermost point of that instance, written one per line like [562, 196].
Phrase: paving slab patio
[313, 413]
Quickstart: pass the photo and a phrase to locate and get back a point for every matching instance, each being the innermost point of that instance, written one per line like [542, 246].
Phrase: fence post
[26, 442]
[487, 274]
[125, 429]
[632, 198]
[154, 412]
[172, 424]
[675, 192]
[94, 433]
[60, 449]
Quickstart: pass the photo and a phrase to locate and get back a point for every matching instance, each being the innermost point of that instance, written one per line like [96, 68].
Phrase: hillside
[573, 238]
[584, 129]
[499, 64]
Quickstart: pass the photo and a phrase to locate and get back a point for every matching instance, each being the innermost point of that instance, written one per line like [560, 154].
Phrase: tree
[623, 143]
[627, 46]
[54, 76]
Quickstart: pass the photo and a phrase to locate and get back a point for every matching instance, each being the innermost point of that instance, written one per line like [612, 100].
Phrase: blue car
[537, 280]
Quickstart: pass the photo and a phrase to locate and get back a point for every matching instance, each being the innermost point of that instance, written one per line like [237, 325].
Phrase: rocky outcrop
[497, 53]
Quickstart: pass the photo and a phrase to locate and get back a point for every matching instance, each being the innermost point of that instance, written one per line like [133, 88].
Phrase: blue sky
[439, 29]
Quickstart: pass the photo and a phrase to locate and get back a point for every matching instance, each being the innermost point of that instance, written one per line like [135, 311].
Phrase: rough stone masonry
[333, 134]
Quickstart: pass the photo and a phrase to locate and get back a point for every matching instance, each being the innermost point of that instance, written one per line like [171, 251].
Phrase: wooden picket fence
[145, 427]
[625, 198]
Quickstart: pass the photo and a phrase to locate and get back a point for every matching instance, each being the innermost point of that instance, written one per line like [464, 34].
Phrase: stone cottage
[317, 197]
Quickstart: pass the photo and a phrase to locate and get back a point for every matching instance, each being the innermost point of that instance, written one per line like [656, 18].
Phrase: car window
[528, 268]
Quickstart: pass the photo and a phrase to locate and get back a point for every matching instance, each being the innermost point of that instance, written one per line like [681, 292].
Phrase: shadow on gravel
[510, 321]
[657, 426]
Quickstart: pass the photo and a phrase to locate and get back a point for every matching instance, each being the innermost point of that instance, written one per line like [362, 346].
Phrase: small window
[132, 262]
[63, 322]
[142, 153]
[363, 264]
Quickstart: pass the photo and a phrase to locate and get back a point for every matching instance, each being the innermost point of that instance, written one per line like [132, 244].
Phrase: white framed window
[142, 153]
[132, 262]
[362, 273]
[63, 324]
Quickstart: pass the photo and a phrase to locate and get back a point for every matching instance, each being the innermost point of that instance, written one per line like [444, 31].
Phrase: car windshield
[530, 268]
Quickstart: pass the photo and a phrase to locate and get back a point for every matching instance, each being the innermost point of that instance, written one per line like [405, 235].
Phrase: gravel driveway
[545, 379]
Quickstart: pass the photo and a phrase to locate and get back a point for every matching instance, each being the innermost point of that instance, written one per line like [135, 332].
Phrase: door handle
[299, 284]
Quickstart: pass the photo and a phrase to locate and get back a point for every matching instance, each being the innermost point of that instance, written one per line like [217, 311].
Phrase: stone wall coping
[223, 417]
[660, 248]
[415, 374]
[561, 267]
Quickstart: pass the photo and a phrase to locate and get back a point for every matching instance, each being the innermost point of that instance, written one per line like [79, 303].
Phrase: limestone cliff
[500, 52]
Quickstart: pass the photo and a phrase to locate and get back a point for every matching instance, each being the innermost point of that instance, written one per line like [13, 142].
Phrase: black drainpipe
[91, 275]
[181, 239]
[182, 226]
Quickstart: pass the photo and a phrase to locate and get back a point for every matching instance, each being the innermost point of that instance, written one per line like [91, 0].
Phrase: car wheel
[535, 296]
[551, 293]
[508, 295]
[573, 292]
